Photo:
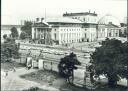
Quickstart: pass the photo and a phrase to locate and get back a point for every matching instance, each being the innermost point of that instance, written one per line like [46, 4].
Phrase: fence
[50, 65]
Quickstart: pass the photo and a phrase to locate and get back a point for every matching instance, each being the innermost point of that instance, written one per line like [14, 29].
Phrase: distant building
[123, 32]
[108, 26]
[6, 29]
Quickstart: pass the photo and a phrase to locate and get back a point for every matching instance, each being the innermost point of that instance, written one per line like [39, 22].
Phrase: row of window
[70, 41]
[70, 29]
[70, 35]
[87, 19]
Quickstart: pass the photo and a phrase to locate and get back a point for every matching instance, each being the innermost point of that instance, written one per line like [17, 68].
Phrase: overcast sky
[15, 10]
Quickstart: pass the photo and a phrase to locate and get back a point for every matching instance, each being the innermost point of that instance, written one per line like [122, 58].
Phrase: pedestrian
[6, 73]
[14, 70]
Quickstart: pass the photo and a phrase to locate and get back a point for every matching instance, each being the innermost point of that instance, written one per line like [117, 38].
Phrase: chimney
[89, 11]
[42, 19]
[110, 22]
[37, 19]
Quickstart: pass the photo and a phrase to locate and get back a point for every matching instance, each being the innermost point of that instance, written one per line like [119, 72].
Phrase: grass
[103, 88]
[48, 77]
[34, 89]
[41, 76]
[107, 88]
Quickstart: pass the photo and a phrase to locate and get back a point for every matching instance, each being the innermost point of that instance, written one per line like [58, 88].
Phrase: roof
[81, 13]
[109, 18]
[62, 20]
[111, 26]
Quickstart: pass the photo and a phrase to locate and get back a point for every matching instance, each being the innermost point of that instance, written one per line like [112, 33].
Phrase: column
[33, 32]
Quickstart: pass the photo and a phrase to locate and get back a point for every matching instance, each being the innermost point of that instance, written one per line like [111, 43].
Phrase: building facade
[89, 23]
[62, 30]
[75, 27]
[108, 27]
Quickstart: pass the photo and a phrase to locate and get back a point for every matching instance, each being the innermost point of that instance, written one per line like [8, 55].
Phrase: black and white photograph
[64, 45]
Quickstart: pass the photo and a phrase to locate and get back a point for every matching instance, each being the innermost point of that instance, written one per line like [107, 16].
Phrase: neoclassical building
[75, 27]
[89, 23]
[60, 30]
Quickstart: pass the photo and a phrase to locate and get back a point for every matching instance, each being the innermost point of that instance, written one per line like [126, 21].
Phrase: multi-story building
[123, 32]
[108, 27]
[75, 27]
[89, 23]
[59, 30]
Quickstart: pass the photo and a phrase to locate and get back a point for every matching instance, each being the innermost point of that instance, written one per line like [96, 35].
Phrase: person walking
[6, 74]
[14, 69]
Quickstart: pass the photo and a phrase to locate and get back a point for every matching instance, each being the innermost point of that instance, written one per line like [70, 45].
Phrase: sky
[13, 11]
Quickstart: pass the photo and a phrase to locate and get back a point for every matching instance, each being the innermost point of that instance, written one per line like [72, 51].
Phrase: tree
[67, 65]
[9, 49]
[106, 60]
[4, 36]
[23, 35]
[14, 32]
[124, 59]
[27, 28]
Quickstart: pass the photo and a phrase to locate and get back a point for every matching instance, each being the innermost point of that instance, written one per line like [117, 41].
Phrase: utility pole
[45, 14]
[127, 28]
[127, 32]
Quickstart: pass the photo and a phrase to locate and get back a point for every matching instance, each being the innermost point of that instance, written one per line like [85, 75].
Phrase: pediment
[41, 24]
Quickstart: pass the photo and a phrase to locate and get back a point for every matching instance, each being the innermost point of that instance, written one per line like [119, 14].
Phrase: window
[83, 19]
[55, 36]
[88, 19]
[85, 35]
[61, 36]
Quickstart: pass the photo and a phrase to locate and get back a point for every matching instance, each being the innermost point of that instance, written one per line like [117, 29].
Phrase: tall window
[83, 19]
[55, 36]
[85, 35]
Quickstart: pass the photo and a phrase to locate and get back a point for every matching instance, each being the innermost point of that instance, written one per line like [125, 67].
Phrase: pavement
[14, 82]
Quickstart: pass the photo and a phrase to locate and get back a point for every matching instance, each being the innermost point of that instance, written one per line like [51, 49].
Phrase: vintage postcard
[64, 45]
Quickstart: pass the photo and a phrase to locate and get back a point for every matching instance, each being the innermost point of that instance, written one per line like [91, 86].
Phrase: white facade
[76, 27]
[61, 32]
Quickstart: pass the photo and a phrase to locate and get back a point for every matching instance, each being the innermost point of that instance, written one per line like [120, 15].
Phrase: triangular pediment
[40, 24]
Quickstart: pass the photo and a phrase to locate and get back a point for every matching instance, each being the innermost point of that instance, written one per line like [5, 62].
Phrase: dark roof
[111, 26]
[81, 13]
[40, 24]
[123, 24]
